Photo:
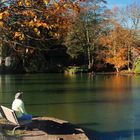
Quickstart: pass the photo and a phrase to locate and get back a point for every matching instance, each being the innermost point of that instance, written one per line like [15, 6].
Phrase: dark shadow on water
[131, 134]
[54, 128]
[51, 127]
[114, 135]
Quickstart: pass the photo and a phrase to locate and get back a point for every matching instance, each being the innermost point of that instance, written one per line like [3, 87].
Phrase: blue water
[107, 107]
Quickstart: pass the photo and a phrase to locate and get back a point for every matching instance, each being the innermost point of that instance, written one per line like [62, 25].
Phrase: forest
[68, 35]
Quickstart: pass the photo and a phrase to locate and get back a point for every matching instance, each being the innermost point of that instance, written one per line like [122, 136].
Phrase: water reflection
[6, 88]
[106, 106]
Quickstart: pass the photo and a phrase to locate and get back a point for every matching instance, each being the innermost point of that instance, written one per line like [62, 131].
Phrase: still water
[107, 106]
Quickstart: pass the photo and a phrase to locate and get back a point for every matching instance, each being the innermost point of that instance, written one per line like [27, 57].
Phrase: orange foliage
[117, 45]
[37, 20]
[119, 60]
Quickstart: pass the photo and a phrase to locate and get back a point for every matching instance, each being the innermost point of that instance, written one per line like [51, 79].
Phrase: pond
[106, 106]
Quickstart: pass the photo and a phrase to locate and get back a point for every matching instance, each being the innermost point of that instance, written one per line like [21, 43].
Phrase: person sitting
[18, 107]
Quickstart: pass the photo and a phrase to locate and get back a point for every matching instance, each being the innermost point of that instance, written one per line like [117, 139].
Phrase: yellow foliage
[44, 25]
[20, 3]
[31, 23]
[38, 33]
[76, 8]
[19, 35]
[32, 13]
[46, 1]
[1, 15]
[56, 35]
[35, 29]
[56, 4]
[65, 6]
[27, 3]
[1, 24]
[38, 24]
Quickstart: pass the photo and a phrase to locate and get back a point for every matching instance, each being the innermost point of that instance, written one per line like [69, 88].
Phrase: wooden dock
[48, 128]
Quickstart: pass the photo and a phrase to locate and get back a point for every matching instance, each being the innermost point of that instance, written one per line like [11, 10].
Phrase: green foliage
[76, 69]
[137, 67]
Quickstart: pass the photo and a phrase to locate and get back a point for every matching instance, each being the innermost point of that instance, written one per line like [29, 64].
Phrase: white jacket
[18, 107]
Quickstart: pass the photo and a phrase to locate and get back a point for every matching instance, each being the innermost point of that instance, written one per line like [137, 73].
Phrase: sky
[119, 3]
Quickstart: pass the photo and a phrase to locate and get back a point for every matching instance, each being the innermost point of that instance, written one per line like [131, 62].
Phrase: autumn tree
[35, 25]
[129, 18]
[85, 31]
[116, 47]
[34, 21]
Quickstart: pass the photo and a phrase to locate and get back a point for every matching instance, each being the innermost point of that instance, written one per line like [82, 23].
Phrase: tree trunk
[88, 50]
[117, 69]
[129, 57]
[89, 58]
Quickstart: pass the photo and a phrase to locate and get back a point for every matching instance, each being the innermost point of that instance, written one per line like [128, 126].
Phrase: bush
[76, 69]
[137, 67]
